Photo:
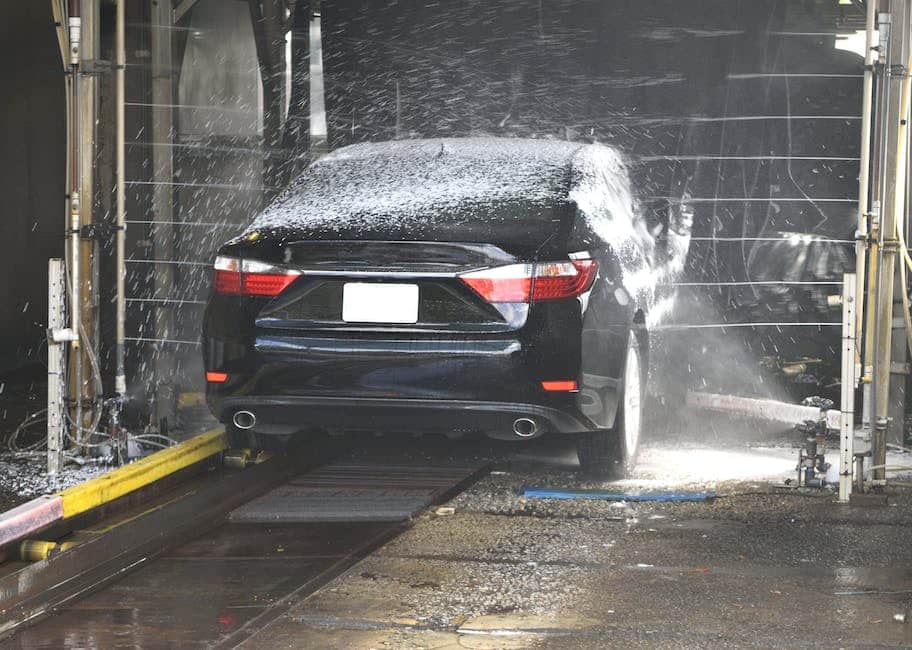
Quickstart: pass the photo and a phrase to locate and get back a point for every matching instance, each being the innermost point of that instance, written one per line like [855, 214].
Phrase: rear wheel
[611, 453]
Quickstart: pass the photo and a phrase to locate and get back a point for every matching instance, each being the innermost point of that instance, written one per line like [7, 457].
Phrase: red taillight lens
[563, 279]
[216, 377]
[250, 277]
[228, 282]
[265, 284]
[511, 283]
[561, 386]
[532, 282]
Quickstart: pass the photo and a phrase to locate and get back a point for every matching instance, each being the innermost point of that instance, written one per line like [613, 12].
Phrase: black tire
[606, 453]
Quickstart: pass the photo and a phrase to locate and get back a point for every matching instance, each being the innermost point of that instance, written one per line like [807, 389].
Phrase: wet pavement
[203, 591]
[757, 567]
[760, 566]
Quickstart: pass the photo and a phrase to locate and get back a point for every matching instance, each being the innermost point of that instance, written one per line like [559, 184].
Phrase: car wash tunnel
[465, 324]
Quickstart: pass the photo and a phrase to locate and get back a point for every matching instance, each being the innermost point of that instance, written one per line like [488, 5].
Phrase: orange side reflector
[566, 386]
[216, 377]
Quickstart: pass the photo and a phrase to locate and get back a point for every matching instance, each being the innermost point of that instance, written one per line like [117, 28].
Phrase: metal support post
[864, 368]
[875, 192]
[87, 260]
[163, 202]
[120, 381]
[861, 233]
[74, 182]
[67, 27]
[847, 404]
[56, 395]
[889, 337]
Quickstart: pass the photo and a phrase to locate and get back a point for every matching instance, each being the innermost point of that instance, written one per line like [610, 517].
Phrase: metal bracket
[65, 335]
[96, 67]
[900, 368]
[890, 245]
[98, 231]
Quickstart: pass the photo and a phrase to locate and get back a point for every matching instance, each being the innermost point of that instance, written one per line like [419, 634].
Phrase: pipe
[88, 256]
[899, 203]
[525, 427]
[878, 163]
[75, 207]
[56, 420]
[891, 222]
[870, 327]
[60, 24]
[861, 234]
[890, 468]
[882, 268]
[863, 348]
[607, 495]
[244, 420]
[33, 550]
[120, 382]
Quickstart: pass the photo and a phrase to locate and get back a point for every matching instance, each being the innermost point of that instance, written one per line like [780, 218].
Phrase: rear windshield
[519, 223]
[431, 188]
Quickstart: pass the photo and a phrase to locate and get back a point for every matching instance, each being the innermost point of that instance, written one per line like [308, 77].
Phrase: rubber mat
[349, 491]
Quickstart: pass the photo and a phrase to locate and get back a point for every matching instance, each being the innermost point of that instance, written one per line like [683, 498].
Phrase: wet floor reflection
[201, 592]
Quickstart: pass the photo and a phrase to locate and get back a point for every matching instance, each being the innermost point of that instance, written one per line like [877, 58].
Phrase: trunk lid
[429, 252]
[317, 301]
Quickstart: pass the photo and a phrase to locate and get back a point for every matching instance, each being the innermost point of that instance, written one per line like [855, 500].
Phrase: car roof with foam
[411, 180]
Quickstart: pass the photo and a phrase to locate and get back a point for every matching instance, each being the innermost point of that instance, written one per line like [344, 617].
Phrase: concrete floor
[757, 567]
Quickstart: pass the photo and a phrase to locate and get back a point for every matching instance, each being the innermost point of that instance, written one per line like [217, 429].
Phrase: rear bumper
[392, 381]
[392, 415]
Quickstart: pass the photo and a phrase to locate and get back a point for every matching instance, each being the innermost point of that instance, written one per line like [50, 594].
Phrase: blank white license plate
[370, 302]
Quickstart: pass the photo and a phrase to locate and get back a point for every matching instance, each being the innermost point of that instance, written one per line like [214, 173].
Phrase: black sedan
[502, 286]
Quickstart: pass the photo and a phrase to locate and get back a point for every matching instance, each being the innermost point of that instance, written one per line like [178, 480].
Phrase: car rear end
[418, 285]
[345, 335]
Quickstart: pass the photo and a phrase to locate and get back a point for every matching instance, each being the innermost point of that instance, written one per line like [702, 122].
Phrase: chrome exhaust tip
[244, 420]
[525, 427]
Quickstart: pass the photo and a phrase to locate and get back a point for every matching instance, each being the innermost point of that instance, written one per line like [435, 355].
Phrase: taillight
[250, 277]
[561, 386]
[532, 282]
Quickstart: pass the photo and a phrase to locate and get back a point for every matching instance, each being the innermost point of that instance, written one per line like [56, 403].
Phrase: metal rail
[696, 326]
[35, 590]
[116, 545]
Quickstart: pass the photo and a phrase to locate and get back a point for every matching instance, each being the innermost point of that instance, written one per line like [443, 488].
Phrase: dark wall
[687, 89]
[32, 169]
